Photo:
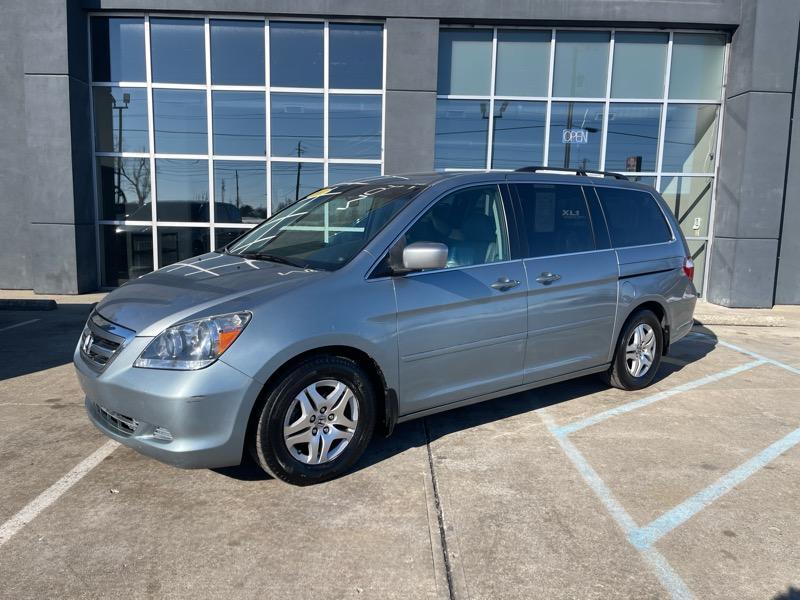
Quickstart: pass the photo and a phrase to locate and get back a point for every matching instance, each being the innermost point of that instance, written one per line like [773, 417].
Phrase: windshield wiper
[272, 258]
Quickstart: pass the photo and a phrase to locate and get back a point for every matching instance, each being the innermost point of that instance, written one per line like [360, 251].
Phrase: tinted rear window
[634, 218]
[555, 218]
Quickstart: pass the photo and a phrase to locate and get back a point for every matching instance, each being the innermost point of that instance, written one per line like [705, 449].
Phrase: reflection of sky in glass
[632, 133]
[296, 119]
[242, 187]
[177, 48]
[238, 123]
[118, 49]
[123, 186]
[518, 134]
[182, 190]
[180, 121]
[110, 108]
[356, 55]
[231, 41]
[354, 126]
[295, 54]
[461, 130]
[575, 116]
[284, 182]
[581, 63]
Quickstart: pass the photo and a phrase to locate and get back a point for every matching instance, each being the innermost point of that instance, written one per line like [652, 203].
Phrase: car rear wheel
[638, 352]
[316, 422]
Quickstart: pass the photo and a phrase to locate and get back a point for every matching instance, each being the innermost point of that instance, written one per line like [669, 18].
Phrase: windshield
[325, 229]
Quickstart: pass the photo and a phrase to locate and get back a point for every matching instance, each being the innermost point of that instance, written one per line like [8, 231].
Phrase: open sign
[574, 136]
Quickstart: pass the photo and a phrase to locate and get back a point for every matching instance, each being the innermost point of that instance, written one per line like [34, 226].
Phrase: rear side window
[555, 218]
[634, 218]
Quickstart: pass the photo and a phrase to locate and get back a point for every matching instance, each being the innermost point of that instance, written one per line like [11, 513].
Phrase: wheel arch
[659, 309]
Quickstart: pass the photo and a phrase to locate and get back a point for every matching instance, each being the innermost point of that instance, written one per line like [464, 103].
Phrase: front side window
[555, 218]
[326, 229]
[470, 223]
[633, 217]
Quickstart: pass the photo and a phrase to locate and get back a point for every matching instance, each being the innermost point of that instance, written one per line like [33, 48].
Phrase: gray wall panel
[410, 129]
[14, 170]
[413, 48]
[718, 12]
[743, 274]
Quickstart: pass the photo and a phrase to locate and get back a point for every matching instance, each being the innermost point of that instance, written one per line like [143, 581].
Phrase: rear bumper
[205, 411]
[682, 316]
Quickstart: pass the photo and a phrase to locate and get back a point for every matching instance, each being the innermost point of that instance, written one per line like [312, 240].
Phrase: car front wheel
[316, 422]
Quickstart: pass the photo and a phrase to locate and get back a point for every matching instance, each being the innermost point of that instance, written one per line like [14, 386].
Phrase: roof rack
[582, 172]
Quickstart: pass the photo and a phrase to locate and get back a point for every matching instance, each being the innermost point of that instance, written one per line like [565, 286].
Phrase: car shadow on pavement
[418, 433]
[38, 340]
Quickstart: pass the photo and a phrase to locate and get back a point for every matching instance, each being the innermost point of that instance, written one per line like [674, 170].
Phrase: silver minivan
[371, 303]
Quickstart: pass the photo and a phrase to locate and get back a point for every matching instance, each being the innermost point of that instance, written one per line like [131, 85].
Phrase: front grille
[122, 423]
[102, 340]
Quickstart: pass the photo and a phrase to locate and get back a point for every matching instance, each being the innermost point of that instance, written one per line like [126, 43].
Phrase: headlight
[194, 344]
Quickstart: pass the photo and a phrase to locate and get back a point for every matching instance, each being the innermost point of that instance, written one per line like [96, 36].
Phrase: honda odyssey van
[371, 303]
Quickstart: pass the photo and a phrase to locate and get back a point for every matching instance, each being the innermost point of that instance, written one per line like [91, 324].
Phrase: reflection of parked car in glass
[363, 305]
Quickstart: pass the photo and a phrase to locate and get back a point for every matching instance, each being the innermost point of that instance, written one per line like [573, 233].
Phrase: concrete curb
[27, 304]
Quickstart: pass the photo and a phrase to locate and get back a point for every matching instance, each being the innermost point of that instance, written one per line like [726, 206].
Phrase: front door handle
[504, 283]
[547, 278]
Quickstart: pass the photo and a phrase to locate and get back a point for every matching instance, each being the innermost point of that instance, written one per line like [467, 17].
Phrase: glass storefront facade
[643, 103]
[203, 127]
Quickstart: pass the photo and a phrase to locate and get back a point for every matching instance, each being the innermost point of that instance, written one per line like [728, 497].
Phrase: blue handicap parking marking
[645, 537]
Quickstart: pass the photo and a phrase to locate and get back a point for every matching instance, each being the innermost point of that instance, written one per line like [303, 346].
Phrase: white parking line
[54, 492]
[19, 324]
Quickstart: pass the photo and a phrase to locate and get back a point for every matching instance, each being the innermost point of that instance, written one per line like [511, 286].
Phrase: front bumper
[205, 411]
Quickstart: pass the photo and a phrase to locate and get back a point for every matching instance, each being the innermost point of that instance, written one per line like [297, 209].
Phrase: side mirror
[424, 255]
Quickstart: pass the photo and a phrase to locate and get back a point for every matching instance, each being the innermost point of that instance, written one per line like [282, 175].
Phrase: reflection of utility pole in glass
[300, 151]
[236, 173]
[568, 149]
[126, 99]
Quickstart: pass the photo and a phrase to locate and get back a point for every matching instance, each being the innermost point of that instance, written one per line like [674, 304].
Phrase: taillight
[688, 267]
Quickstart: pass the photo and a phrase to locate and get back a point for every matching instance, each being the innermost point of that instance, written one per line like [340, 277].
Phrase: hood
[151, 303]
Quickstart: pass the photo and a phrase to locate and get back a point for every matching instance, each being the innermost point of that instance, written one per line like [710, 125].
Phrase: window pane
[690, 138]
[690, 200]
[356, 56]
[237, 52]
[556, 218]
[177, 47]
[632, 143]
[292, 181]
[182, 190]
[465, 61]
[118, 49]
[518, 134]
[295, 54]
[179, 243]
[239, 127]
[581, 63]
[523, 63]
[575, 134]
[123, 188]
[126, 251]
[634, 218]
[470, 223]
[122, 109]
[296, 122]
[697, 64]
[355, 126]
[462, 127]
[240, 191]
[180, 121]
[639, 62]
[339, 173]
[225, 236]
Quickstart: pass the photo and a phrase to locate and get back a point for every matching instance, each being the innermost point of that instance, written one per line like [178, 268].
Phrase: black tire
[266, 441]
[618, 374]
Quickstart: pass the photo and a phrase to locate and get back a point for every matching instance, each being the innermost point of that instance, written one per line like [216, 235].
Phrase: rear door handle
[547, 278]
[504, 283]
